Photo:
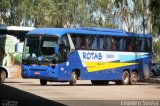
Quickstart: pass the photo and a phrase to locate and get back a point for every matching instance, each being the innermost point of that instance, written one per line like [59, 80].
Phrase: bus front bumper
[39, 72]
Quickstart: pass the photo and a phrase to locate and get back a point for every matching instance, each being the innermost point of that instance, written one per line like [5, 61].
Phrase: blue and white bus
[97, 54]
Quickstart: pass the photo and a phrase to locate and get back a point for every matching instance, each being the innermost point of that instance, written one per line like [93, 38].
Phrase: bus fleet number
[110, 56]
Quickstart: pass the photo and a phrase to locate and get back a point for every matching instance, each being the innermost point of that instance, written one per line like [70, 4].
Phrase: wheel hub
[134, 78]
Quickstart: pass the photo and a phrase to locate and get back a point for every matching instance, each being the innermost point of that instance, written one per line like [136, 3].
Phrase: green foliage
[155, 20]
[131, 15]
[4, 7]
[156, 50]
[155, 9]
[100, 13]
[56, 13]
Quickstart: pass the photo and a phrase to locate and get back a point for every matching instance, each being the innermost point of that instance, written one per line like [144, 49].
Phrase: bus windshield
[40, 48]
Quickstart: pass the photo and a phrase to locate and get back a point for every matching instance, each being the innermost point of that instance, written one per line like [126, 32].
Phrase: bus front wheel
[133, 78]
[74, 78]
[43, 82]
[3, 76]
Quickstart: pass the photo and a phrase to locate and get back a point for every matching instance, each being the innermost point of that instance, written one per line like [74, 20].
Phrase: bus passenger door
[66, 47]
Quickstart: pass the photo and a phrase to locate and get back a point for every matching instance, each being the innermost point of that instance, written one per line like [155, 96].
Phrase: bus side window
[89, 42]
[64, 49]
[129, 44]
[107, 43]
[149, 45]
[121, 44]
[97, 42]
[146, 45]
[101, 43]
[114, 45]
[124, 43]
[78, 41]
[94, 46]
[142, 45]
[81, 42]
[138, 45]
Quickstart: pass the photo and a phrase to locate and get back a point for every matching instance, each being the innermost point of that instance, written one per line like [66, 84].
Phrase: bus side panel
[65, 69]
[75, 62]
[109, 74]
[144, 67]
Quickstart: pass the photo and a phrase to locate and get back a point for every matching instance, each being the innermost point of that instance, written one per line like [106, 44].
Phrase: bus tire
[3, 76]
[125, 79]
[133, 78]
[73, 78]
[43, 82]
[98, 82]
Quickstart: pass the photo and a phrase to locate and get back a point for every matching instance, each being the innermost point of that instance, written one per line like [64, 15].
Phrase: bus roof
[139, 35]
[16, 28]
[84, 30]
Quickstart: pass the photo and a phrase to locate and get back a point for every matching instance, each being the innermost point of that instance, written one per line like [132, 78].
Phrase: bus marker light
[36, 73]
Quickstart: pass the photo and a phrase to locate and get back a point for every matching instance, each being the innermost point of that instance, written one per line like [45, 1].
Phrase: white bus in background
[11, 47]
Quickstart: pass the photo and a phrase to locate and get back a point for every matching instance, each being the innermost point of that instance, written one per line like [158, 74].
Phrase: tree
[4, 7]
[123, 14]
[155, 9]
